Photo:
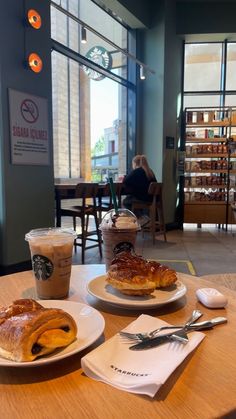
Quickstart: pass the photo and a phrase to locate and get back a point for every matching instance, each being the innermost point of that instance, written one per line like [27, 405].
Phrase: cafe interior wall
[26, 191]
[160, 45]
[157, 95]
[159, 100]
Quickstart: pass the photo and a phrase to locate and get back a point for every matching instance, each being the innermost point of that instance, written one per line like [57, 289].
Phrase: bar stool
[85, 191]
[155, 211]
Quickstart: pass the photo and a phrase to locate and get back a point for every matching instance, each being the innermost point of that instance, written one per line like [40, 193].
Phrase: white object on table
[141, 372]
[211, 297]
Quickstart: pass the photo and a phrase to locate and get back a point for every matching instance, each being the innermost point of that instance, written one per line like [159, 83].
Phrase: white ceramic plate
[90, 327]
[99, 288]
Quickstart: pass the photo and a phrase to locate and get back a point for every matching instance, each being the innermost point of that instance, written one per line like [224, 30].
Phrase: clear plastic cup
[119, 232]
[51, 255]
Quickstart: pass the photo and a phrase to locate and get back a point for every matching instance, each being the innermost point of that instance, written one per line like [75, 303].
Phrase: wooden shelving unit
[210, 165]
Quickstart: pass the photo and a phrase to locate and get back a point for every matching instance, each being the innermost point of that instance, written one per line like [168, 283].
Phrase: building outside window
[89, 106]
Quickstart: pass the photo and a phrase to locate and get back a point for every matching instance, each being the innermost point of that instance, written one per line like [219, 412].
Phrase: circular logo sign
[100, 56]
[42, 267]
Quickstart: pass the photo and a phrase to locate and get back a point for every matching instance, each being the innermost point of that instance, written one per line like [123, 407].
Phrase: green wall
[158, 96]
[171, 109]
[151, 50]
[26, 191]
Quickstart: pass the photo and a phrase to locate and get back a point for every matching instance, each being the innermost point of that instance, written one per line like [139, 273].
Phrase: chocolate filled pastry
[31, 330]
[134, 275]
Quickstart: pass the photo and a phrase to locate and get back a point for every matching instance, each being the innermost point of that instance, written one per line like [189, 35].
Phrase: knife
[180, 336]
[207, 324]
[174, 336]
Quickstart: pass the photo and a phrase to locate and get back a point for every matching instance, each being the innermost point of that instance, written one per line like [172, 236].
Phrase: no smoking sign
[29, 129]
[29, 111]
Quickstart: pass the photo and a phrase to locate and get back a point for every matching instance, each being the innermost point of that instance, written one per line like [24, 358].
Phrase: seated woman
[137, 182]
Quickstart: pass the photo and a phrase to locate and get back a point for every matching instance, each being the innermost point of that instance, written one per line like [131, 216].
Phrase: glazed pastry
[134, 275]
[128, 274]
[162, 275]
[29, 334]
[17, 307]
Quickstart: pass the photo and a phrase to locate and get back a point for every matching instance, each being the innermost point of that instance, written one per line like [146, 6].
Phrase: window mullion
[223, 73]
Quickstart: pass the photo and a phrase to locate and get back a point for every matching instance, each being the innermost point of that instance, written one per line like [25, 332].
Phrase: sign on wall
[101, 56]
[28, 129]
[170, 142]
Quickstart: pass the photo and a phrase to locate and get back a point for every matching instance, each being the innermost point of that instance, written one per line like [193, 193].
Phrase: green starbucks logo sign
[100, 56]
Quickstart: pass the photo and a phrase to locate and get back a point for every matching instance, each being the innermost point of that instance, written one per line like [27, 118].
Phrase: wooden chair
[85, 192]
[156, 224]
[105, 202]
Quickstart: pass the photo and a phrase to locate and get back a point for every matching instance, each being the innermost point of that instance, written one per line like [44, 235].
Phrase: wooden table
[203, 386]
[228, 280]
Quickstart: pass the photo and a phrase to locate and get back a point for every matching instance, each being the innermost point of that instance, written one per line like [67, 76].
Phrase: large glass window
[209, 74]
[230, 100]
[231, 67]
[201, 100]
[68, 32]
[202, 67]
[89, 108]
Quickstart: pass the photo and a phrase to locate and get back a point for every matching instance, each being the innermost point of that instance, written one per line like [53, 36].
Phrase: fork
[196, 314]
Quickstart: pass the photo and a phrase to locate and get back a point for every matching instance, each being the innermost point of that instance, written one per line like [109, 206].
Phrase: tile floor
[197, 251]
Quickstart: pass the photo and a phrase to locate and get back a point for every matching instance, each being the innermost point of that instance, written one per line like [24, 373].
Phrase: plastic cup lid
[121, 220]
[51, 233]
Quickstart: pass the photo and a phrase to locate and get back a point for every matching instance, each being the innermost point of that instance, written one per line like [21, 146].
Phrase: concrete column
[158, 97]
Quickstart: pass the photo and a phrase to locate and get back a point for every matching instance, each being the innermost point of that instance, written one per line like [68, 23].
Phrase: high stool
[83, 211]
[156, 225]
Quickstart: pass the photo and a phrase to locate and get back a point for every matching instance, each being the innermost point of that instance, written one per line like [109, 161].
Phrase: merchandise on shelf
[210, 164]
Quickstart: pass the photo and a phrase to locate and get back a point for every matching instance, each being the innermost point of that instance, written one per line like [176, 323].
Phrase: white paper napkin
[141, 372]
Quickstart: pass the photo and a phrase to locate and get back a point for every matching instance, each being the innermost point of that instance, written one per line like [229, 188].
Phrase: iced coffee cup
[119, 231]
[51, 255]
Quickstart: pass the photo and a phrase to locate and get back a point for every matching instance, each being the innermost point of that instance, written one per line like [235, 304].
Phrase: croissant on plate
[28, 330]
[134, 275]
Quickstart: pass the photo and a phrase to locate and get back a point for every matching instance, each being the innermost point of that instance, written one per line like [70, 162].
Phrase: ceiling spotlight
[142, 74]
[83, 35]
[34, 19]
[35, 63]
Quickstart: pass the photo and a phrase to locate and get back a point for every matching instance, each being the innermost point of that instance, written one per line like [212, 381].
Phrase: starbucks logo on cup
[42, 267]
[123, 247]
